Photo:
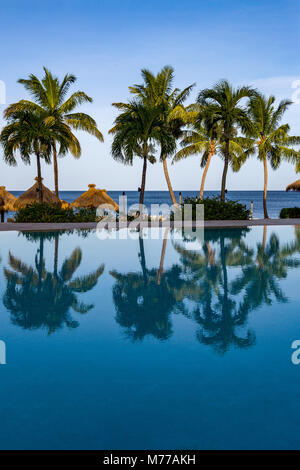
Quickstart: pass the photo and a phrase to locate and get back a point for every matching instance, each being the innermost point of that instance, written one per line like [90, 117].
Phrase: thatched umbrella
[64, 204]
[294, 186]
[32, 195]
[94, 198]
[8, 199]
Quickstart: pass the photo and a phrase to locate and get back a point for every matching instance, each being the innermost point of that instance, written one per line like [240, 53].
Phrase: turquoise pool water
[146, 344]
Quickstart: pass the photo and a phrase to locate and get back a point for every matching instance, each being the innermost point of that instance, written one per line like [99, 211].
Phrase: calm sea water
[145, 344]
[277, 199]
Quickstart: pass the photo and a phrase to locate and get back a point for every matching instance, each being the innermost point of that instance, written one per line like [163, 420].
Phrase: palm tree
[157, 90]
[27, 134]
[203, 139]
[50, 102]
[223, 103]
[271, 139]
[137, 128]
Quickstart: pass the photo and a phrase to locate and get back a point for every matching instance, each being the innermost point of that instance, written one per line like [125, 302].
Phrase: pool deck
[39, 227]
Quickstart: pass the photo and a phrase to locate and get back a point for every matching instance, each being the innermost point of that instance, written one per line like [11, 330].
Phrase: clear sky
[106, 43]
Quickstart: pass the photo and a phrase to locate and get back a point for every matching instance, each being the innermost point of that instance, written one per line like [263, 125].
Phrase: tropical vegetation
[233, 123]
[271, 139]
[53, 213]
[157, 91]
[290, 213]
[216, 209]
[56, 111]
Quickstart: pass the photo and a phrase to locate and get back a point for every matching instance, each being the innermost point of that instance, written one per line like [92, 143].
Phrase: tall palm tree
[27, 134]
[137, 128]
[50, 100]
[223, 102]
[157, 90]
[271, 139]
[203, 139]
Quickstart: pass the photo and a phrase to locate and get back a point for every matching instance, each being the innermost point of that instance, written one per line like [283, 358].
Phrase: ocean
[276, 199]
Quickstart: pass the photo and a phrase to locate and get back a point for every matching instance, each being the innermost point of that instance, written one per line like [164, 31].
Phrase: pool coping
[40, 227]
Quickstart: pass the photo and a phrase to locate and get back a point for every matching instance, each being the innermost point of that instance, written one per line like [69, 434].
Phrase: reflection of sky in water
[173, 348]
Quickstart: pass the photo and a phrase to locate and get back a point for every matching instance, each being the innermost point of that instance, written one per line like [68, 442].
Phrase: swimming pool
[149, 344]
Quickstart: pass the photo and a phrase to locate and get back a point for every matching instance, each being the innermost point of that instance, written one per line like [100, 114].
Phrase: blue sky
[105, 44]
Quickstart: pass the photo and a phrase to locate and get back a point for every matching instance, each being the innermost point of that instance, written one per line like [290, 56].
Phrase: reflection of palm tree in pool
[223, 296]
[260, 279]
[37, 298]
[217, 313]
[144, 301]
[223, 306]
[224, 326]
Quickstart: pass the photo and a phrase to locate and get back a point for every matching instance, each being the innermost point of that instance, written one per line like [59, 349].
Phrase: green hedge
[290, 213]
[53, 213]
[215, 209]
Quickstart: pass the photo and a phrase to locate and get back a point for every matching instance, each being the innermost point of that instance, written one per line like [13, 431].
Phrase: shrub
[290, 213]
[53, 213]
[215, 209]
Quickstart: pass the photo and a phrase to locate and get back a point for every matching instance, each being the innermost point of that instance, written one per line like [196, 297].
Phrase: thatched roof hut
[64, 204]
[8, 199]
[32, 195]
[294, 186]
[94, 198]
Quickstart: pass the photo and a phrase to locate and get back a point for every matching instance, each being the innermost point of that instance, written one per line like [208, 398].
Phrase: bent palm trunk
[264, 237]
[173, 199]
[39, 174]
[265, 188]
[55, 169]
[162, 256]
[204, 175]
[143, 181]
[224, 176]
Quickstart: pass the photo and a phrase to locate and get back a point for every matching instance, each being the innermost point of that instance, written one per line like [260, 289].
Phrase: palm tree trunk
[265, 188]
[225, 299]
[143, 180]
[224, 176]
[204, 175]
[264, 237]
[39, 175]
[55, 169]
[162, 256]
[41, 259]
[173, 199]
[142, 258]
[55, 256]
